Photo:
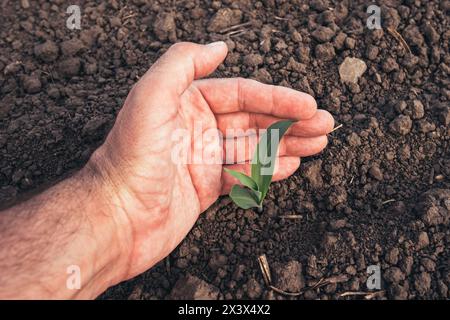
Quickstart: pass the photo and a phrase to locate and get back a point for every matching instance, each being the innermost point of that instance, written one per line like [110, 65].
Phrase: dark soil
[378, 195]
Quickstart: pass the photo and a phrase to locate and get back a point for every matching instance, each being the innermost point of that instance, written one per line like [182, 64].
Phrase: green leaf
[263, 162]
[244, 179]
[244, 198]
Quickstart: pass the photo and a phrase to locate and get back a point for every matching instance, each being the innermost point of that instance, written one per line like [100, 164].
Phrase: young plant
[254, 189]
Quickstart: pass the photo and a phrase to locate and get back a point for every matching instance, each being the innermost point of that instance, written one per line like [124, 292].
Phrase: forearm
[70, 224]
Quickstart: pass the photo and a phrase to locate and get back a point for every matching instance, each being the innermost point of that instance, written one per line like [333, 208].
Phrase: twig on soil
[388, 201]
[265, 270]
[367, 295]
[237, 26]
[280, 18]
[338, 127]
[292, 216]
[399, 38]
[129, 16]
[236, 33]
[324, 281]
[291, 294]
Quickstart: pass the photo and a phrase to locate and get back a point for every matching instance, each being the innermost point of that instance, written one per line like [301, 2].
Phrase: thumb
[183, 63]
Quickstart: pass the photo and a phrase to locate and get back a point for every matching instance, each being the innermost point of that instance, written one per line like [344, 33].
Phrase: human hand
[156, 201]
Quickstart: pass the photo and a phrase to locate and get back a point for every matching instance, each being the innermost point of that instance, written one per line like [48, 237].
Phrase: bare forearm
[68, 226]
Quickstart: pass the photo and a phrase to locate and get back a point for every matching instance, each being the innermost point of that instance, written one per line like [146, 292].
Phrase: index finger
[246, 95]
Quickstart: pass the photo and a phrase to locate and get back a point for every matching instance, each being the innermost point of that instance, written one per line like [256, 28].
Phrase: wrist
[111, 237]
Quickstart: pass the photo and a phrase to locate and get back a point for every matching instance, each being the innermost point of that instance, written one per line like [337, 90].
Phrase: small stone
[431, 34]
[413, 36]
[71, 47]
[254, 289]
[444, 116]
[325, 52]
[350, 43]
[262, 75]
[32, 84]
[217, 261]
[25, 4]
[376, 173]
[329, 240]
[428, 264]
[12, 68]
[398, 292]
[337, 196]
[293, 65]
[339, 40]
[351, 270]
[424, 126]
[407, 264]
[372, 52]
[320, 5]
[253, 60]
[193, 288]
[47, 52]
[338, 224]
[323, 34]
[401, 125]
[401, 106]
[311, 171]
[394, 275]
[390, 65]
[417, 110]
[351, 69]
[353, 139]
[182, 263]
[288, 277]
[165, 27]
[392, 256]
[223, 19]
[70, 67]
[423, 240]
[422, 283]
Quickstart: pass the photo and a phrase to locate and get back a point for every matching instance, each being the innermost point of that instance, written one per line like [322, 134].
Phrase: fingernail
[216, 44]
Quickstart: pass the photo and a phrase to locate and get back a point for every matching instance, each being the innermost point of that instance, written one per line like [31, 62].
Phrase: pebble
[353, 139]
[390, 65]
[423, 240]
[47, 52]
[224, 18]
[325, 52]
[323, 34]
[422, 283]
[288, 276]
[401, 125]
[71, 47]
[165, 28]
[312, 172]
[376, 173]
[254, 289]
[417, 109]
[394, 275]
[193, 288]
[351, 69]
[253, 60]
[70, 67]
[32, 84]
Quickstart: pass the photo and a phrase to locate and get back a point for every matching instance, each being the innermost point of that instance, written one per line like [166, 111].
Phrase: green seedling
[254, 189]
